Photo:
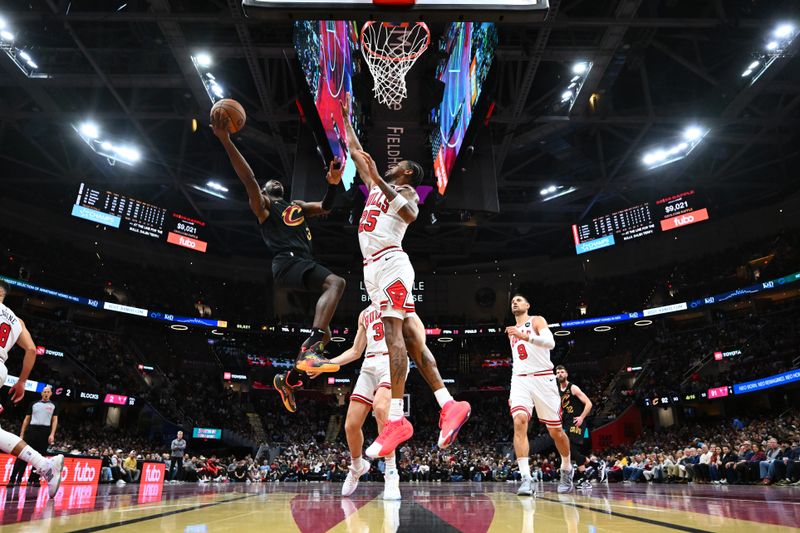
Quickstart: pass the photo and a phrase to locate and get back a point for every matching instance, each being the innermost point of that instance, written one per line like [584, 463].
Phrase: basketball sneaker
[311, 360]
[453, 415]
[287, 395]
[526, 487]
[355, 473]
[53, 475]
[391, 486]
[565, 483]
[395, 433]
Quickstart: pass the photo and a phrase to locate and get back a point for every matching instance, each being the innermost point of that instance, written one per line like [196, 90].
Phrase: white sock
[524, 468]
[29, 455]
[8, 441]
[566, 462]
[391, 464]
[396, 409]
[442, 396]
[357, 463]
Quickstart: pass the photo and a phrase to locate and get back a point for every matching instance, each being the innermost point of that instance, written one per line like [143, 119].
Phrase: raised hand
[219, 125]
[334, 176]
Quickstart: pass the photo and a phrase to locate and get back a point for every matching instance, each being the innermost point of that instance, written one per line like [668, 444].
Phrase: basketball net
[390, 51]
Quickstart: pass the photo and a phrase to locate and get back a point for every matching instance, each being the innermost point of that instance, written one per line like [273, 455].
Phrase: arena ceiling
[658, 66]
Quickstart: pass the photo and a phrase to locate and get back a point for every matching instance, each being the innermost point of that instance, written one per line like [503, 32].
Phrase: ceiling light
[693, 133]
[2, 23]
[580, 68]
[7, 36]
[642, 323]
[338, 339]
[543, 192]
[601, 329]
[107, 146]
[753, 65]
[217, 90]
[32, 64]
[215, 332]
[178, 327]
[566, 96]
[784, 30]
[203, 59]
[90, 130]
[445, 340]
[562, 333]
[746, 73]
[210, 76]
[216, 186]
[772, 45]
[24, 55]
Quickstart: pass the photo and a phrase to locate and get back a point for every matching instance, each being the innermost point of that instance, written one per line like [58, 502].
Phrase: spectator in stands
[773, 453]
[118, 469]
[130, 465]
[747, 471]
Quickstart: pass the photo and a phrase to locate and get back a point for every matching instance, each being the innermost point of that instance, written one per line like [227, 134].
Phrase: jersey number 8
[5, 333]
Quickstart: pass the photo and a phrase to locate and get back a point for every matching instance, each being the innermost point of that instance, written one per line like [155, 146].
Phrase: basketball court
[429, 507]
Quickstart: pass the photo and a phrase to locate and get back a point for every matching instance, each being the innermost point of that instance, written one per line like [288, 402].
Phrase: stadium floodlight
[216, 186]
[90, 130]
[753, 65]
[784, 31]
[203, 59]
[25, 56]
[7, 36]
[210, 191]
[772, 46]
[692, 136]
[566, 95]
[217, 90]
[580, 67]
[556, 191]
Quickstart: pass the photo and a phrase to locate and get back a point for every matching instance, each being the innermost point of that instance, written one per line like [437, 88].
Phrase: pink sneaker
[395, 433]
[454, 415]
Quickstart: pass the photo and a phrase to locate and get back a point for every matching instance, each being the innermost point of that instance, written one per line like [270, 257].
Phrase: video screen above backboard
[508, 11]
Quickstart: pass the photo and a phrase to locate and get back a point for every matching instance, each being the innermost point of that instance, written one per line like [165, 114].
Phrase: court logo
[293, 215]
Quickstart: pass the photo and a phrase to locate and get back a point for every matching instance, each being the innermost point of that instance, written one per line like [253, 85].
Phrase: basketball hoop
[390, 51]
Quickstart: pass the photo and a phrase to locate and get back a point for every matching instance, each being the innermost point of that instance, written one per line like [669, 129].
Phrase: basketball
[235, 113]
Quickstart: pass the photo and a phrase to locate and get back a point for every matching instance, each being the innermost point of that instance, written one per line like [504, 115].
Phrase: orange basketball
[234, 111]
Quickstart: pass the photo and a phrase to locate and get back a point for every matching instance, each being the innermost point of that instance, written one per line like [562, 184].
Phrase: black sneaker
[287, 395]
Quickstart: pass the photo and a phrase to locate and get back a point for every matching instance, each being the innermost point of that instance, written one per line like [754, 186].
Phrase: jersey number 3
[523, 353]
[379, 334]
[5, 333]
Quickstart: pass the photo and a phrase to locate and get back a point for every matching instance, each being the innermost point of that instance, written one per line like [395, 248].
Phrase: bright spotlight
[746, 73]
[692, 133]
[217, 90]
[543, 192]
[7, 36]
[2, 23]
[772, 46]
[753, 65]
[580, 68]
[90, 130]
[203, 59]
[566, 96]
[32, 64]
[784, 30]
[25, 56]
[552, 188]
[107, 146]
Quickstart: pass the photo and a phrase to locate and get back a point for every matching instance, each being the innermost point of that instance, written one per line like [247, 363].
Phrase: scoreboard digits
[638, 221]
[134, 216]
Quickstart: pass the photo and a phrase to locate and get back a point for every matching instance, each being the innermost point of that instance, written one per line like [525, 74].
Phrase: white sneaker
[351, 482]
[121, 482]
[526, 487]
[53, 475]
[391, 486]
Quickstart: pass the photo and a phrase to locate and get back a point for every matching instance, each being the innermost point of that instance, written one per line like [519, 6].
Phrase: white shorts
[374, 375]
[540, 392]
[389, 281]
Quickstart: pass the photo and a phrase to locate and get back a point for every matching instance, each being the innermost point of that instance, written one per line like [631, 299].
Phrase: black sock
[317, 335]
[292, 378]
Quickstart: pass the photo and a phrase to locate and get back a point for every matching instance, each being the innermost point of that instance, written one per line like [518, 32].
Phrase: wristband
[330, 195]
[398, 203]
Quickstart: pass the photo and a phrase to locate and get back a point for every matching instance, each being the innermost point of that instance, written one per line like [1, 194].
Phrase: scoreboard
[141, 218]
[641, 220]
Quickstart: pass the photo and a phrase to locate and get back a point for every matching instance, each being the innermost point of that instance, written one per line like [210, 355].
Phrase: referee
[39, 431]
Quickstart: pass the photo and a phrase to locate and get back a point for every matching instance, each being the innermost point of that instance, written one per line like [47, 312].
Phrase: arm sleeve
[543, 340]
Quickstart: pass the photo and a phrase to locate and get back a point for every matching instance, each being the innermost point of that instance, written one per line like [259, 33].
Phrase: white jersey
[10, 330]
[380, 228]
[529, 358]
[376, 338]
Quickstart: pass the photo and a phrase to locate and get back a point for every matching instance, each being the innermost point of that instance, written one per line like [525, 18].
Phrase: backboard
[507, 11]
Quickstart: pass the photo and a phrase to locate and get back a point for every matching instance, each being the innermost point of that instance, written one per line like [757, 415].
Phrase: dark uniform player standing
[573, 400]
[282, 224]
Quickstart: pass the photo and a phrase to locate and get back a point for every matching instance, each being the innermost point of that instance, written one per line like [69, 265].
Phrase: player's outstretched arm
[542, 337]
[404, 202]
[352, 142]
[352, 353]
[259, 203]
[334, 178]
